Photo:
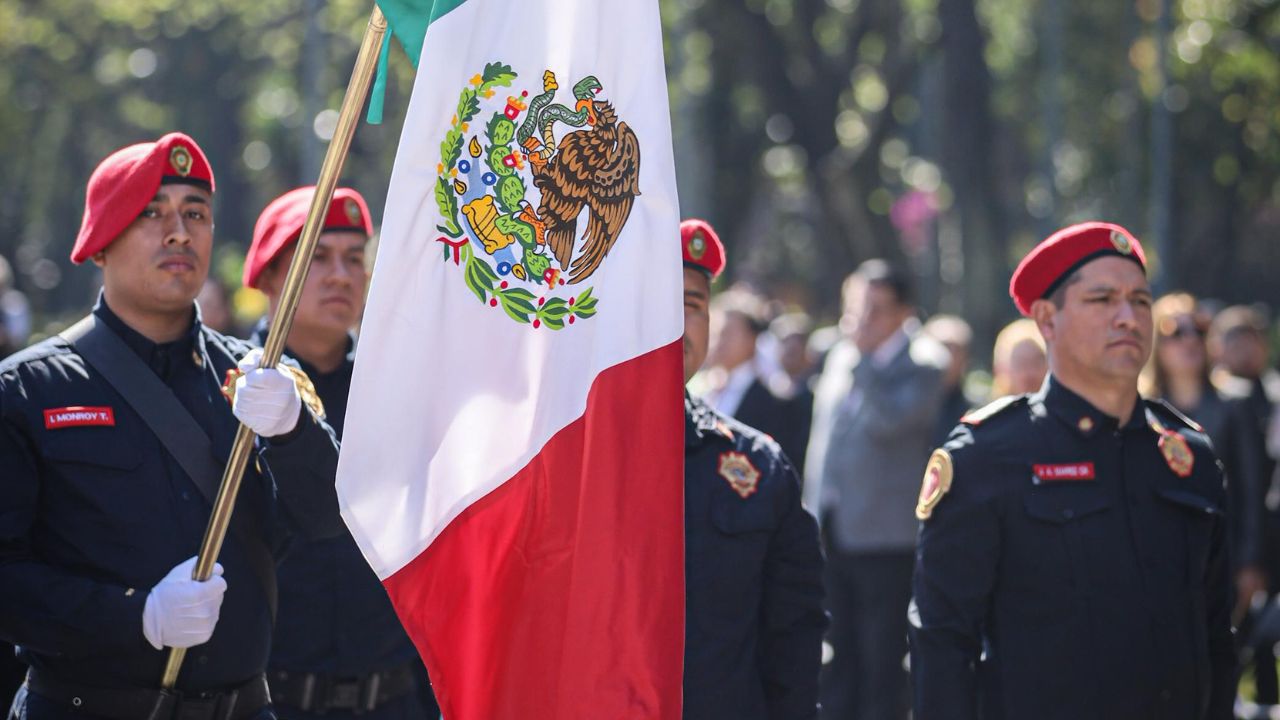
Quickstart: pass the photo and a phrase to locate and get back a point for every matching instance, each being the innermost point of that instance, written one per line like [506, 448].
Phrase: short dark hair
[1059, 295]
[887, 275]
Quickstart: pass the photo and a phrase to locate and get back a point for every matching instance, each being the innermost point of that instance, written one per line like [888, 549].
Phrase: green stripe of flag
[408, 21]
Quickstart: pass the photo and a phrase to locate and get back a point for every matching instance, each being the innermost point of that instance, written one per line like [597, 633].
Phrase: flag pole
[273, 348]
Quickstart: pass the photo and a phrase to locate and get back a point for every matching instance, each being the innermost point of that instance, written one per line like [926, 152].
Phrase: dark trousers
[867, 596]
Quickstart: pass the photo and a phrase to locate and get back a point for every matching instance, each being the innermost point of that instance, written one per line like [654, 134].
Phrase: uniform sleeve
[1217, 592]
[792, 616]
[303, 464]
[956, 557]
[51, 610]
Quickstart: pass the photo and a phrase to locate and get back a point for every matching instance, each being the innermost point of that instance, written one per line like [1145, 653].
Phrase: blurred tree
[85, 79]
[949, 134]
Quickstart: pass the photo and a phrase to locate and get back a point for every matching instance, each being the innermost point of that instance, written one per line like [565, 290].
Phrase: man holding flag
[754, 567]
[113, 437]
[511, 462]
[339, 650]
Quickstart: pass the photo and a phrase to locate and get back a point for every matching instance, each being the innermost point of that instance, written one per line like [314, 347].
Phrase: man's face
[734, 342]
[1103, 329]
[159, 262]
[873, 313]
[697, 320]
[333, 295]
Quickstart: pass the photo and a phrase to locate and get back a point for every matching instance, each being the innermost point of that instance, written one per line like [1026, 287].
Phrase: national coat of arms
[513, 190]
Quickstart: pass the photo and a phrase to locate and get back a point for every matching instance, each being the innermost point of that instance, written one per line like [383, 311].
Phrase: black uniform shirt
[753, 568]
[94, 514]
[335, 616]
[1079, 564]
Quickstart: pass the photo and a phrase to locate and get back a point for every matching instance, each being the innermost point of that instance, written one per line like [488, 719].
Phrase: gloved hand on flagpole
[266, 399]
[181, 612]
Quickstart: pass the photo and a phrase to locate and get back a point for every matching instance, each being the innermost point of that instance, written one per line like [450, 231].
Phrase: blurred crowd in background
[1213, 362]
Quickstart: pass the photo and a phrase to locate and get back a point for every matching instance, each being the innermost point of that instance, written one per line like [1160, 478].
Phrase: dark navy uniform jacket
[754, 617]
[1098, 593]
[335, 617]
[93, 516]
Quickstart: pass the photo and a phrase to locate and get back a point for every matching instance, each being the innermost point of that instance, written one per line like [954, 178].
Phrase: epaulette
[1173, 413]
[977, 417]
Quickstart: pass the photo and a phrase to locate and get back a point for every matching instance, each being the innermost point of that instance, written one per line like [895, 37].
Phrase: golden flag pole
[335, 156]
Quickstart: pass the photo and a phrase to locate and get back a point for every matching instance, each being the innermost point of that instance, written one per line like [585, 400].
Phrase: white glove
[266, 399]
[181, 612]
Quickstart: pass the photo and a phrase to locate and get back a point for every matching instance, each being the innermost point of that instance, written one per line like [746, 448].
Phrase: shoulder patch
[990, 410]
[741, 474]
[936, 483]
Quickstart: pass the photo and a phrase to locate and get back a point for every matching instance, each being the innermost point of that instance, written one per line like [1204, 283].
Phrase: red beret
[123, 184]
[702, 247]
[1064, 252]
[280, 225]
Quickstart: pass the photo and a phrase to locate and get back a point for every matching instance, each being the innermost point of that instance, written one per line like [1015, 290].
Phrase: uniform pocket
[1199, 514]
[99, 447]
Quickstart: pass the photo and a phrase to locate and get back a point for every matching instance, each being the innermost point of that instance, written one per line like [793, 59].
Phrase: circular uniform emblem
[1121, 242]
[180, 160]
[936, 483]
[697, 245]
[352, 209]
[534, 191]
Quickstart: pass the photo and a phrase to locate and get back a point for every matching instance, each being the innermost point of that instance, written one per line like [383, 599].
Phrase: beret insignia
[180, 160]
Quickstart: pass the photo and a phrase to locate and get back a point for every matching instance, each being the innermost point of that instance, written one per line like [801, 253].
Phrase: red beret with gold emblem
[1064, 252]
[123, 184]
[702, 247]
[280, 225]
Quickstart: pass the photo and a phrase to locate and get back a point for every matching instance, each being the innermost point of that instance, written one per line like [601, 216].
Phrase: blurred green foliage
[950, 134]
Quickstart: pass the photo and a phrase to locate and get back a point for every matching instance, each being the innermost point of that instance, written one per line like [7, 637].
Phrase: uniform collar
[259, 337]
[701, 422]
[160, 357]
[1079, 414]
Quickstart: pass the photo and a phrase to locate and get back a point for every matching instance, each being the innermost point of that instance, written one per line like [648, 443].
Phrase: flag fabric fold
[512, 466]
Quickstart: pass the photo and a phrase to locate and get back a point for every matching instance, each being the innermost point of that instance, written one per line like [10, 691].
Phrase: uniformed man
[1072, 556]
[754, 618]
[113, 438]
[339, 649]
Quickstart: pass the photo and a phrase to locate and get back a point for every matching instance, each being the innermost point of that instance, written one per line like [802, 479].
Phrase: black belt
[319, 693]
[236, 703]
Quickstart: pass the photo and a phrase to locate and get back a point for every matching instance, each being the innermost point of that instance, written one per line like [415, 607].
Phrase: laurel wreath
[518, 303]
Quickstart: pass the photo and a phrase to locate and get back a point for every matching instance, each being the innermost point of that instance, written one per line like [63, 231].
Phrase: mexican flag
[512, 465]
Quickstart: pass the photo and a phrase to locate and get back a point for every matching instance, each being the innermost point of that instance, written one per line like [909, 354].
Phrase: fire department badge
[180, 160]
[1177, 453]
[741, 475]
[512, 191]
[937, 481]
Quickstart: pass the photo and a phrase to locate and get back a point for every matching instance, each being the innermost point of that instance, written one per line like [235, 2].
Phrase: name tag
[77, 416]
[1064, 472]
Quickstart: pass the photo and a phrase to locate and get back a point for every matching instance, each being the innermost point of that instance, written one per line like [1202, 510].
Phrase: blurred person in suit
[875, 408]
